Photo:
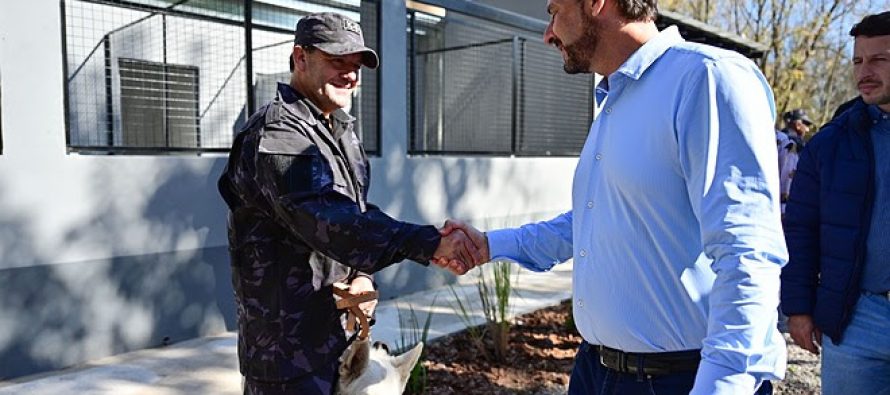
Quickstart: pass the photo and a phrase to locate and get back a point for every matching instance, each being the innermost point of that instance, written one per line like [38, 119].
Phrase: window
[487, 88]
[159, 104]
[161, 76]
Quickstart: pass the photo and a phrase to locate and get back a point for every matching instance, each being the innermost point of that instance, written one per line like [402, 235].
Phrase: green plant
[476, 332]
[495, 296]
[411, 333]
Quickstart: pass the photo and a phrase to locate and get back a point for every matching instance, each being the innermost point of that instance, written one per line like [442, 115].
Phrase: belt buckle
[619, 356]
[602, 354]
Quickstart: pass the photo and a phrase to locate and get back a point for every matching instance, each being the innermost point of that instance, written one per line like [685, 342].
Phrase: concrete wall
[105, 254]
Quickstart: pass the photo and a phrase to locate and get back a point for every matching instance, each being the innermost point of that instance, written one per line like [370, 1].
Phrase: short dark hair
[638, 10]
[872, 25]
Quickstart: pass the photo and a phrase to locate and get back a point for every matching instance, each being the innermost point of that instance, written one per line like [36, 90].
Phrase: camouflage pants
[320, 383]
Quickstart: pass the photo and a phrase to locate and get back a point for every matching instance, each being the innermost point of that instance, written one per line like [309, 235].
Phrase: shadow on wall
[54, 315]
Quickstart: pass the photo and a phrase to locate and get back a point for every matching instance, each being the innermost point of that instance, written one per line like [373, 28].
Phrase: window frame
[248, 25]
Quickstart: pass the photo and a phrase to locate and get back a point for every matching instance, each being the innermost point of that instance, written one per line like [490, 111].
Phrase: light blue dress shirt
[675, 225]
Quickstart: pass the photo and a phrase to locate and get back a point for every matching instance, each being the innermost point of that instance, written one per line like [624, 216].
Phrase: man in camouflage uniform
[296, 185]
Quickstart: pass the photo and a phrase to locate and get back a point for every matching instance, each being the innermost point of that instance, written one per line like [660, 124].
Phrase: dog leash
[350, 303]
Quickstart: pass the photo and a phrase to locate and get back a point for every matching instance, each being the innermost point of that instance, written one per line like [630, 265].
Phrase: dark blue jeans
[589, 377]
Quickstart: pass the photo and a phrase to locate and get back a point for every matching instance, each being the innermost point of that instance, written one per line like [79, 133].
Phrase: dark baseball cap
[797, 114]
[334, 34]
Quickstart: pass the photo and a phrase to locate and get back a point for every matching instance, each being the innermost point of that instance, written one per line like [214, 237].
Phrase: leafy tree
[808, 63]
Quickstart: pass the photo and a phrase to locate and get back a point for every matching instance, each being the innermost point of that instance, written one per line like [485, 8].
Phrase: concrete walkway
[210, 365]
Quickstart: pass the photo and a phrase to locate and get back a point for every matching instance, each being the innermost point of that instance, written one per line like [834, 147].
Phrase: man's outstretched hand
[456, 253]
[478, 249]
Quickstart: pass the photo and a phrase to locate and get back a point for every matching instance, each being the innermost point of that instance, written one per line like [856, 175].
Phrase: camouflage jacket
[299, 221]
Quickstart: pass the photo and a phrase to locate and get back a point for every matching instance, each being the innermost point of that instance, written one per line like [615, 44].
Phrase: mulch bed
[540, 361]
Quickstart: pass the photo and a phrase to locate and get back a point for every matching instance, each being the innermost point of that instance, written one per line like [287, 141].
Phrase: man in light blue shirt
[675, 225]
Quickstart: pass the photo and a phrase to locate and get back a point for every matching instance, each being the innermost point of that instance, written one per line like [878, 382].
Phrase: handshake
[462, 248]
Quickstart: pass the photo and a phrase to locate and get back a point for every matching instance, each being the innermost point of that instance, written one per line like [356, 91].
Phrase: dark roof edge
[753, 47]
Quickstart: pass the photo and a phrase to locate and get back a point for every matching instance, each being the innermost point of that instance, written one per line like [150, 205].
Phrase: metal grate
[159, 76]
[479, 87]
[159, 104]
[556, 108]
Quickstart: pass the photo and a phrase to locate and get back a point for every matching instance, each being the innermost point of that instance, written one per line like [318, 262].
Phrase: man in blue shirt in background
[837, 281]
[675, 227]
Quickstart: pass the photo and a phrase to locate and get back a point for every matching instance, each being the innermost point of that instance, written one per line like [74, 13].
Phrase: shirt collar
[645, 56]
[877, 114]
[307, 110]
[639, 61]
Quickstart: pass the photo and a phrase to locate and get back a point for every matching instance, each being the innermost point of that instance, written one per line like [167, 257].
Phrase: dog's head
[371, 370]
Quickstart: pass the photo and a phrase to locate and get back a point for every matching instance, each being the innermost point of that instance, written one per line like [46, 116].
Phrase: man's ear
[593, 7]
[298, 57]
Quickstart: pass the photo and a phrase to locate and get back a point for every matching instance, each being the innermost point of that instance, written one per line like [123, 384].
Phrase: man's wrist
[485, 248]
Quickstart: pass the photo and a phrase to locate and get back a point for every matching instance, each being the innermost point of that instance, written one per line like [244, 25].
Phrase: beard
[580, 52]
[880, 98]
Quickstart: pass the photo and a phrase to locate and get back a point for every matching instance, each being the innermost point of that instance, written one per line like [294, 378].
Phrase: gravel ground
[803, 372]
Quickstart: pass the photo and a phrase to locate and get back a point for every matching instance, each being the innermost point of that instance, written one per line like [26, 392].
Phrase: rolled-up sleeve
[728, 156]
[538, 246]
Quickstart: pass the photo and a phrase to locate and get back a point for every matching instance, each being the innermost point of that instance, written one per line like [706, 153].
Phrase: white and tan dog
[371, 370]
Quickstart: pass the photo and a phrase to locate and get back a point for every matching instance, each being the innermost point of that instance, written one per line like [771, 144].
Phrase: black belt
[653, 364]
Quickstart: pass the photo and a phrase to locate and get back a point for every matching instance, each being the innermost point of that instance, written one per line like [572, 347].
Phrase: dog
[372, 370]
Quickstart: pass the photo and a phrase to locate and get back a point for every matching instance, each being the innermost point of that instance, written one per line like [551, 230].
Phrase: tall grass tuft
[495, 296]
[463, 310]
[411, 333]
[494, 293]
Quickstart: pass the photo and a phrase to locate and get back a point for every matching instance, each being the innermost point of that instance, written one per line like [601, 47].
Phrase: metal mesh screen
[159, 104]
[163, 75]
[556, 107]
[464, 106]
[481, 87]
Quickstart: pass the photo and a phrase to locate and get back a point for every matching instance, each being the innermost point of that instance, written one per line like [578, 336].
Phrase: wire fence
[163, 76]
[478, 87]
